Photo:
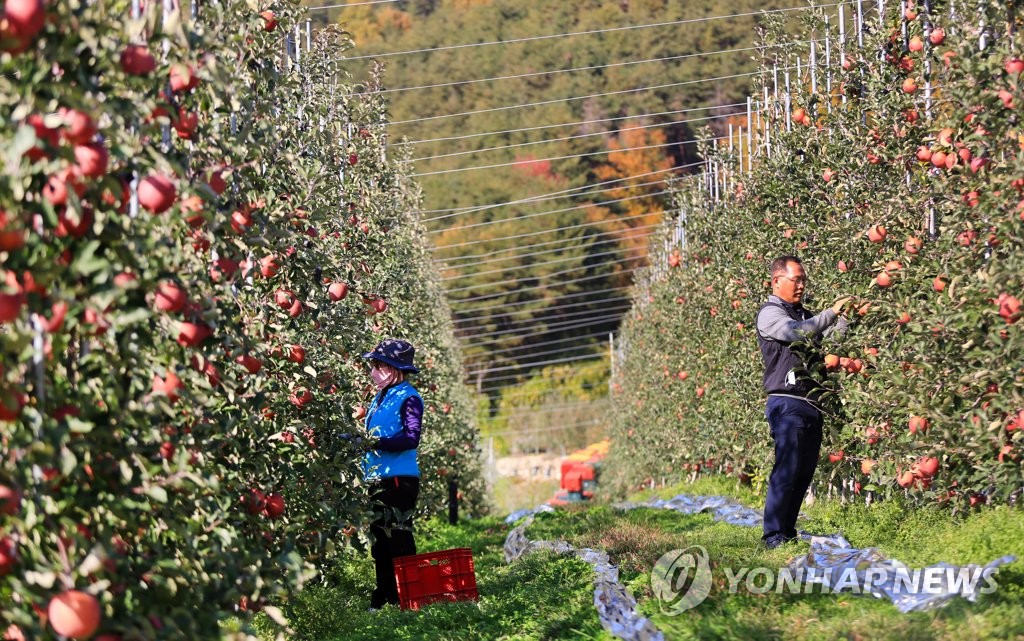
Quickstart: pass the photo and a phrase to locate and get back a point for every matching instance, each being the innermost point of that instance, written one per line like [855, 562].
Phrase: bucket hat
[396, 353]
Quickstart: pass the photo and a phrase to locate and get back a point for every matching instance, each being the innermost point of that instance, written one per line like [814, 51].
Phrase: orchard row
[910, 201]
[198, 237]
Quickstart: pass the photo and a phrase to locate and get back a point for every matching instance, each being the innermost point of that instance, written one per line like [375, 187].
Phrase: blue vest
[383, 420]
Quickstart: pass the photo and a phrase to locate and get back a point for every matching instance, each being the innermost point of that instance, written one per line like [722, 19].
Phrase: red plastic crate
[437, 576]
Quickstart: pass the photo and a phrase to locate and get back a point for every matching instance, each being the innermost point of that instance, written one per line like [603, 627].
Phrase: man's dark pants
[796, 429]
[392, 536]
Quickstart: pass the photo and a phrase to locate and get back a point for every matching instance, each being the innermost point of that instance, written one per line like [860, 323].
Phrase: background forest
[544, 161]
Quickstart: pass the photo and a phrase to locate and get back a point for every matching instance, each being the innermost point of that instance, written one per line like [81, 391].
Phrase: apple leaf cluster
[903, 188]
[198, 239]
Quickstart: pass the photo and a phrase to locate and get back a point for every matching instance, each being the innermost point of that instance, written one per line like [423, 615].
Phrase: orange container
[437, 576]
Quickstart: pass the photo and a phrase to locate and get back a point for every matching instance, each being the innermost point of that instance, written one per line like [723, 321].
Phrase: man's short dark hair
[779, 265]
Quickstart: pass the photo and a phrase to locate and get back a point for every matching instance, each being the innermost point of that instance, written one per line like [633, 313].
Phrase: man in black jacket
[788, 336]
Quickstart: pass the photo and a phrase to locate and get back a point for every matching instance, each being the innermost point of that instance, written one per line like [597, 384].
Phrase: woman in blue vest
[393, 422]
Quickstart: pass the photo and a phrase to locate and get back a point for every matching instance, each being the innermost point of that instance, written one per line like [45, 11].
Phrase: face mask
[382, 378]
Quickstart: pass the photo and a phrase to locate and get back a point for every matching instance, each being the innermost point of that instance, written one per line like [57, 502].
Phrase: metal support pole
[788, 106]
[811, 65]
[860, 23]
[750, 133]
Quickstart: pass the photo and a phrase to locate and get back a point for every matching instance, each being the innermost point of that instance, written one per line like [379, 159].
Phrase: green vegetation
[543, 596]
[590, 245]
[912, 206]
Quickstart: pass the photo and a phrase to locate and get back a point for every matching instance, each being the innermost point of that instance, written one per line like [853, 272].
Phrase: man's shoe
[775, 541]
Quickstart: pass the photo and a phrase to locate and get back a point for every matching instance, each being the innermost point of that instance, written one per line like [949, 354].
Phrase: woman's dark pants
[394, 500]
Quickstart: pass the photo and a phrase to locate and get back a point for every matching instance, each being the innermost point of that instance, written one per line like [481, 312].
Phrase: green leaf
[78, 426]
[157, 493]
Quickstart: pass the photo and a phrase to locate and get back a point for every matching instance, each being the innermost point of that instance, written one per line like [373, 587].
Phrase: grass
[543, 596]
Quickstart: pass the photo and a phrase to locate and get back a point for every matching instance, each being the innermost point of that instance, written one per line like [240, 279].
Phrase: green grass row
[543, 596]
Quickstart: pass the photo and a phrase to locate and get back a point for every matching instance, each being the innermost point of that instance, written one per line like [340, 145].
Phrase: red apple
[297, 354]
[250, 363]
[835, 457]
[74, 614]
[92, 159]
[828, 174]
[183, 78]
[905, 479]
[269, 20]
[254, 501]
[240, 221]
[10, 500]
[157, 193]
[136, 60]
[269, 266]
[25, 18]
[284, 298]
[915, 44]
[883, 279]
[170, 297]
[337, 291]
[1014, 66]
[186, 123]
[8, 555]
[927, 467]
[918, 424]
[912, 245]
[193, 334]
[937, 36]
[909, 85]
[79, 127]
[274, 506]
[877, 233]
[168, 386]
[1009, 308]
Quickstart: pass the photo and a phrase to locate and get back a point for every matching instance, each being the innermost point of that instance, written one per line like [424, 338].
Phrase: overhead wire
[537, 233]
[541, 430]
[547, 310]
[570, 34]
[510, 377]
[562, 124]
[532, 364]
[456, 312]
[572, 98]
[549, 212]
[543, 353]
[522, 279]
[539, 264]
[536, 287]
[541, 327]
[350, 4]
[527, 255]
[551, 321]
[577, 137]
[554, 195]
[534, 245]
[545, 343]
[550, 72]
